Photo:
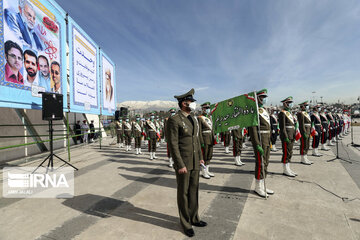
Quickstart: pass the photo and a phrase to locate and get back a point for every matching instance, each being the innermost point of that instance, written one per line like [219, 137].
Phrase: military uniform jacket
[206, 130]
[304, 123]
[315, 119]
[137, 128]
[151, 129]
[287, 125]
[273, 122]
[324, 121]
[184, 141]
[331, 120]
[127, 127]
[119, 128]
[265, 127]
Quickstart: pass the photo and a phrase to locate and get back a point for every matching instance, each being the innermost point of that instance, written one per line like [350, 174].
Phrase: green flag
[233, 113]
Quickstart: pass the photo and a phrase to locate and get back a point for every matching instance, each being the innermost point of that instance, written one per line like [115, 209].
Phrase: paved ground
[123, 196]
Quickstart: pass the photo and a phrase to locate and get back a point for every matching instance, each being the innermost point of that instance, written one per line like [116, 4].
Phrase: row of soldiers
[323, 124]
[140, 129]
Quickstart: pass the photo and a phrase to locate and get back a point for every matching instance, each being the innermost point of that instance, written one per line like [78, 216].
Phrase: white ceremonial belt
[289, 126]
[127, 129]
[317, 124]
[307, 124]
[207, 131]
[264, 131]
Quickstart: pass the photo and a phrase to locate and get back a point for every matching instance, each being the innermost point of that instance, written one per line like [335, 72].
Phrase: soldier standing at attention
[261, 144]
[206, 139]
[305, 130]
[331, 127]
[274, 129]
[325, 130]
[184, 143]
[127, 133]
[172, 112]
[227, 139]
[119, 132]
[237, 136]
[287, 135]
[316, 124]
[151, 133]
[137, 130]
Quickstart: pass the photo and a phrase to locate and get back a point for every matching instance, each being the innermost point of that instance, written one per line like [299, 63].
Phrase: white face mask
[192, 106]
[291, 105]
[137, 119]
[307, 108]
[152, 117]
[264, 101]
[127, 120]
[207, 111]
[172, 114]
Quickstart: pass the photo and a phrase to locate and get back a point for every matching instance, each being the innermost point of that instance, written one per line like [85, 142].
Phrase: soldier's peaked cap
[205, 104]
[262, 92]
[288, 99]
[304, 103]
[186, 96]
[172, 110]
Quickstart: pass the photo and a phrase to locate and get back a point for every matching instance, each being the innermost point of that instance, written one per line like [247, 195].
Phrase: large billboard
[84, 71]
[33, 54]
[108, 87]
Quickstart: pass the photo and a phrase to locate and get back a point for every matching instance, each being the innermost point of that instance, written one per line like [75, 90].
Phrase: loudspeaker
[117, 115]
[52, 106]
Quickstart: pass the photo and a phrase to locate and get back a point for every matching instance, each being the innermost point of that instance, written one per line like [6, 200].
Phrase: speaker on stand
[52, 109]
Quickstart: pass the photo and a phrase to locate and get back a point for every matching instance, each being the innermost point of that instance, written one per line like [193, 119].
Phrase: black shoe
[200, 224]
[190, 232]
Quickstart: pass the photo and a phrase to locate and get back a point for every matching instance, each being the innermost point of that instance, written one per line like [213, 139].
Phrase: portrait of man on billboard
[14, 62]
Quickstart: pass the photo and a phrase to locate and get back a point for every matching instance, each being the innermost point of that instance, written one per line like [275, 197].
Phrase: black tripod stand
[337, 153]
[52, 154]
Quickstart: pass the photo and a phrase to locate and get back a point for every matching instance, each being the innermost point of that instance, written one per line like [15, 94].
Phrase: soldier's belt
[324, 122]
[265, 131]
[289, 126]
[207, 131]
[307, 124]
[317, 124]
[127, 129]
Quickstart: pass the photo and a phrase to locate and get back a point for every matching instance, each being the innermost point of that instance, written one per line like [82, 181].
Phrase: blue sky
[226, 48]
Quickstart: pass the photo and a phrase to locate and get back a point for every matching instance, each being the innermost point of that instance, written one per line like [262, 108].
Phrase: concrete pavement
[121, 195]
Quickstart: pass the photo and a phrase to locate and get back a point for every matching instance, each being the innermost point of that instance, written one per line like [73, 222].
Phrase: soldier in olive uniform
[274, 129]
[227, 139]
[184, 144]
[260, 139]
[305, 130]
[325, 130]
[119, 133]
[331, 136]
[172, 112]
[152, 135]
[127, 133]
[287, 135]
[206, 139]
[237, 136]
[137, 131]
[316, 124]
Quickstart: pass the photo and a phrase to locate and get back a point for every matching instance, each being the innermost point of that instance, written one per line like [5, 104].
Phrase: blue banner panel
[84, 71]
[108, 84]
[32, 54]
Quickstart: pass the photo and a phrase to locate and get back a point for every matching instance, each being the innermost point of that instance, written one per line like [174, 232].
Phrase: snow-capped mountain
[155, 105]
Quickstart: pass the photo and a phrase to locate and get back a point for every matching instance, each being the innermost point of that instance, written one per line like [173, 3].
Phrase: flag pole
[259, 135]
